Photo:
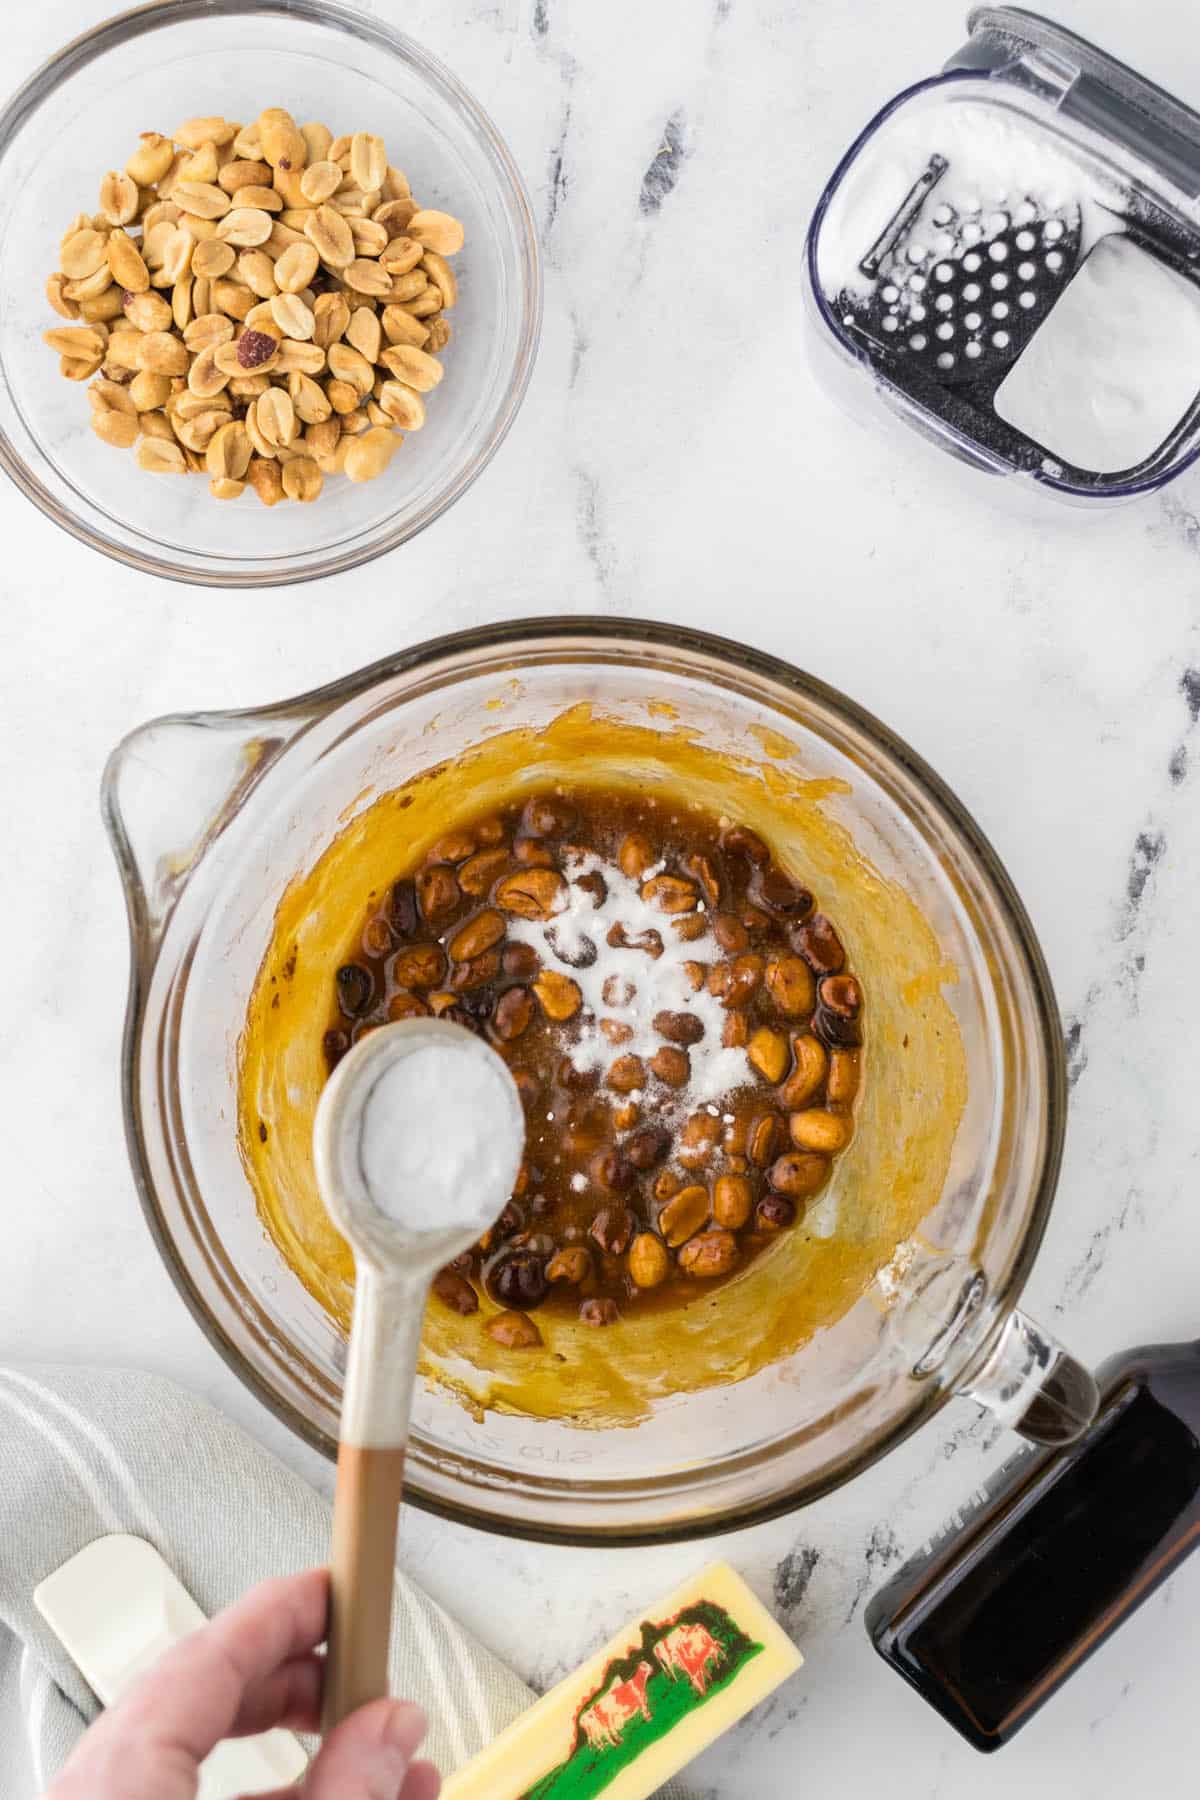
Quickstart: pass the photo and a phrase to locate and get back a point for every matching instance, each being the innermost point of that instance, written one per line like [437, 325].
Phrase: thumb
[367, 1756]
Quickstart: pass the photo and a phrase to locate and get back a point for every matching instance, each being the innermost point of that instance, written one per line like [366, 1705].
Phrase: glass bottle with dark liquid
[993, 1617]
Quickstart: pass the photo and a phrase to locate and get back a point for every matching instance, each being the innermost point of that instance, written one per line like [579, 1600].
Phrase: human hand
[254, 1667]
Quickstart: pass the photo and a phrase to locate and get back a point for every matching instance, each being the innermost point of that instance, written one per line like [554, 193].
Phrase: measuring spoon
[402, 1230]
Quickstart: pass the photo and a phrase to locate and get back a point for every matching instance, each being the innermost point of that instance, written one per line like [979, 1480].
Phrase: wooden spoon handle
[366, 1515]
[381, 1361]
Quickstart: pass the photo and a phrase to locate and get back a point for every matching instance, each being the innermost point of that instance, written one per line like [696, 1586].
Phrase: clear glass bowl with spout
[152, 68]
[212, 816]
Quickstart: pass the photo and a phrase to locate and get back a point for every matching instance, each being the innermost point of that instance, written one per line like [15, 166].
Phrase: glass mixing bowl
[212, 816]
[149, 70]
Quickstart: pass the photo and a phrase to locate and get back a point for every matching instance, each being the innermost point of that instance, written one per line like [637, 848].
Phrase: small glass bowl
[149, 70]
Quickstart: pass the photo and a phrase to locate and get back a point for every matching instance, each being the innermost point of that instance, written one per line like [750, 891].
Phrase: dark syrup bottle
[992, 1618]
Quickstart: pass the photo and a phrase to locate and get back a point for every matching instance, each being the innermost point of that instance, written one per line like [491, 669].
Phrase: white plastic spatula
[390, 1179]
[115, 1607]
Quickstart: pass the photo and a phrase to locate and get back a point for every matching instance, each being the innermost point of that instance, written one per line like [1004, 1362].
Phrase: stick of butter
[657, 1695]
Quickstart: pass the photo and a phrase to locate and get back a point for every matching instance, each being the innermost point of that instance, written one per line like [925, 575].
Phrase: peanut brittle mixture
[678, 1018]
[262, 304]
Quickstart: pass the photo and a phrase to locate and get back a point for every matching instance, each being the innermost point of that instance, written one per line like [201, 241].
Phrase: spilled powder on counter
[626, 984]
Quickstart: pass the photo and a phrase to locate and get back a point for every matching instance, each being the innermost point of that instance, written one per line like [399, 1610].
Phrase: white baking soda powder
[1115, 366]
[437, 1139]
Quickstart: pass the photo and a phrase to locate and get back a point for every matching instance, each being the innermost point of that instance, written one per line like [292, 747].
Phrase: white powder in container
[997, 156]
[1115, 366]
[436, 1139]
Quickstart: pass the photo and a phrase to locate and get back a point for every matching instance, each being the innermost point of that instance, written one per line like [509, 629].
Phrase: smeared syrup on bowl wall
[809, 1276]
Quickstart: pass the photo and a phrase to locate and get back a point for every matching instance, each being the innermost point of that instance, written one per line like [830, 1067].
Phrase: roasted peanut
[532, 893]
[399, 327]
[480, 871]
[613, 1228]
[365, 333]
[712, 1253]
[648, 1146]
[515, 1330]
[416, 369]
[330, 237]
[438, 892]
[406, 1006]
[282, 144]
[649, 1264]
[774, 1212]
[820, 1131]
[841, 994]
[369, 455]
[402, 405]
[422, 966]
[67, 308]
[572, 1265]
[683, 1215]
[698, 1140]
[763, 1139]
[679, 1027]
[768, 1053]
[441, 276]
[790, 984]
[125, 263]
[671, 894]
[636, 855]
[478, 935]
[819, 944]
[118, 198]
[734, 983]
[672, 1066]
[151, 160]
[456, 1293]
[808, 1072]
[366, 276]
[627, 1075]
[121, 429]
[266, 478]
[559, 996]
[158, 457]
[798, 1174]
[437, 231]
[513, 1014]
[733, 1200]
[843, 1077]
[83, 343]
[599, 1312]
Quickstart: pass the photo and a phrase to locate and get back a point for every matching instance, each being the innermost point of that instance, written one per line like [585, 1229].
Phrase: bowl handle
[169, 790]
[1029, 1381]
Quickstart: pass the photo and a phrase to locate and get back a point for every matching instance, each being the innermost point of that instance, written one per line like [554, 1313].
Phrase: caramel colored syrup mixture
[677, 1016]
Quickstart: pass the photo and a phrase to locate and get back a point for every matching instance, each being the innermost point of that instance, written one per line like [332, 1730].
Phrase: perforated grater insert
[960, 287]
[959, 219]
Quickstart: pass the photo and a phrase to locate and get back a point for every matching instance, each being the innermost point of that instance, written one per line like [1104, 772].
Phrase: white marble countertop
[675, 459]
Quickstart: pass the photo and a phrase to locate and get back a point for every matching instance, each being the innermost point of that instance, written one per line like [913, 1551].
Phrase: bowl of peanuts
[271, 287]
[792, 1070]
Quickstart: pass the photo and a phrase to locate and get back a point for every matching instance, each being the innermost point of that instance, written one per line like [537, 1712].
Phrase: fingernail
[405, 1727]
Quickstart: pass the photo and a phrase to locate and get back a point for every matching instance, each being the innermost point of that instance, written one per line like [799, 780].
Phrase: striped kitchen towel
[87, 1452]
